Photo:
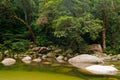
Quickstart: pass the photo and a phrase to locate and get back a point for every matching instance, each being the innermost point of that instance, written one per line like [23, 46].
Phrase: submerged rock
[102, 70]
[46, 62]
[55, 65]
[8, 61]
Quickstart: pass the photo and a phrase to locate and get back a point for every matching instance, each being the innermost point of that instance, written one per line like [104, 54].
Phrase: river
[51, 71]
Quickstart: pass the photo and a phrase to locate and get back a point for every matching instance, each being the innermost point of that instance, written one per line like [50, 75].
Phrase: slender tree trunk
[28, 26]
[25, 11]
[104, 38]
[104, 29]
[71, 43]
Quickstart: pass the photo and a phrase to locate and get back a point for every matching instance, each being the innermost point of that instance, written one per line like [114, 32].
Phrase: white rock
[8, 61]
[65, 58]
[59, 58]
[44, 56]
[27, 59]
[102, 70]
[37, 60]
[85, 58]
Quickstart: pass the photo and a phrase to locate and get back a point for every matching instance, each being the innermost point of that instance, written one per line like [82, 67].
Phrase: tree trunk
[25, 11]
[104, 30]
[71, 43]
[28, 26]
[103, 38]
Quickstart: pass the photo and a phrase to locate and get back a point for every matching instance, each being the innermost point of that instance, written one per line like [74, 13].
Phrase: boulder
[43, 50]
[51, 54]
[84, 60]
[36, 49]
[8, 61]
[44, 56]
[60, 59]
[102, 69]
[27, 59]
[37, 60]
[95, 47]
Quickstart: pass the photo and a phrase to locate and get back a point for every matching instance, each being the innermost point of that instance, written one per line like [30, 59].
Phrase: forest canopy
[64, 23]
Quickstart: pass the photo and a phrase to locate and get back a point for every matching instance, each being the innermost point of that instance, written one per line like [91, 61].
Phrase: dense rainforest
[63, 23]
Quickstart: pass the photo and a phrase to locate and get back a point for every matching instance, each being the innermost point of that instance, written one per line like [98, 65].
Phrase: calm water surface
[49, 71]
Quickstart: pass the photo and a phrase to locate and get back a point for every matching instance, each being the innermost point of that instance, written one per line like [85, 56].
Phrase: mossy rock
[51, 54]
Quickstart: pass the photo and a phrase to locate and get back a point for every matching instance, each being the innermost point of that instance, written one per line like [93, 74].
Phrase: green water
[54, 71]
[24, 75]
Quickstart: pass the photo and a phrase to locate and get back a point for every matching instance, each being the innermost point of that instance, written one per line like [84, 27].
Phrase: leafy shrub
[110, 50]
[42, 40]
[20, 45]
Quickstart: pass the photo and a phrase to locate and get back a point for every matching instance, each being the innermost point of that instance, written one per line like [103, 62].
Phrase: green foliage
[70, 23]
[41, 40]
[66, 23]
[20, 45]
[112, 8]
[12, 33]
[64, 26]
[110, 50]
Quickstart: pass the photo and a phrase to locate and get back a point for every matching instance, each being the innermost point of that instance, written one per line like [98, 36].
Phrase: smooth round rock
[8, 61]
[85, 58]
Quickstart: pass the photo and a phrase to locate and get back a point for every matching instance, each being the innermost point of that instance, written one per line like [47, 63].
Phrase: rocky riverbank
[43, 53]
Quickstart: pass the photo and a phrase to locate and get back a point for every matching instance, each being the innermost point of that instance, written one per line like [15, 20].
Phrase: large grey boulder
[84, 60]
